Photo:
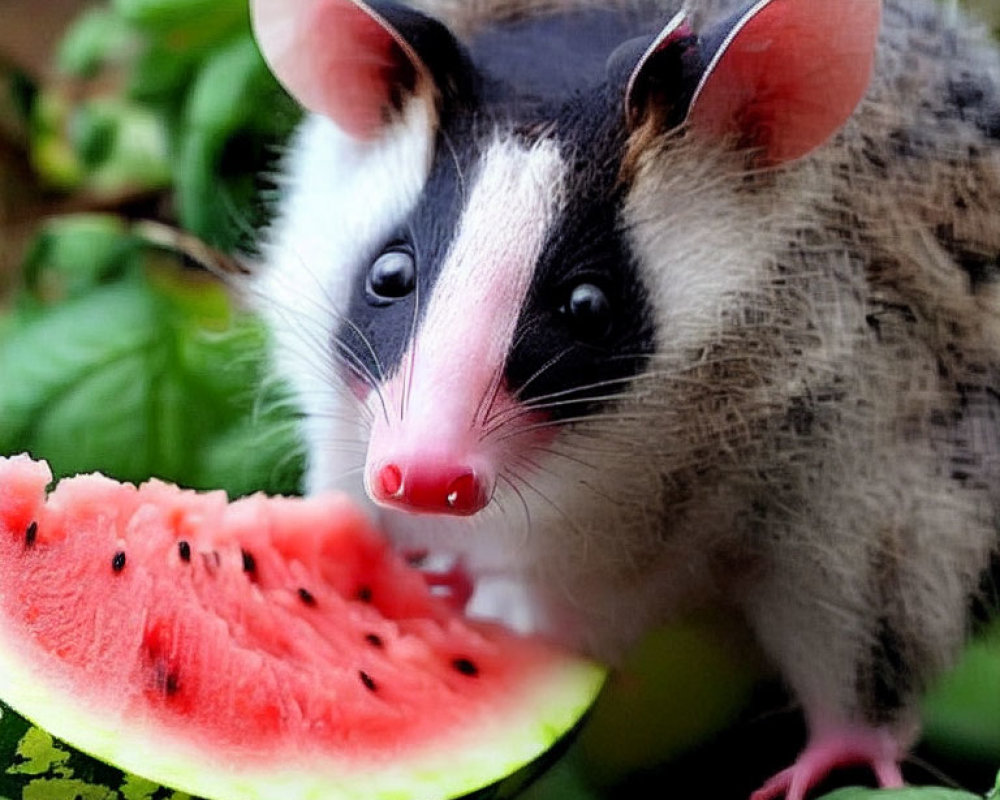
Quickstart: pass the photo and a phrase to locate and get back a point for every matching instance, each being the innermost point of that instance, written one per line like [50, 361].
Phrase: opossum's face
[504, 305]
[491, 297]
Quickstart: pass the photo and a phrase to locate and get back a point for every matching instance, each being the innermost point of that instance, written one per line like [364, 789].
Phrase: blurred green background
[136, 137]
[123, 124]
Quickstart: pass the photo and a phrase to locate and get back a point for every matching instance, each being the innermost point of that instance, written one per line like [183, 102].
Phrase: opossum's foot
[454, 584]
[842, 747]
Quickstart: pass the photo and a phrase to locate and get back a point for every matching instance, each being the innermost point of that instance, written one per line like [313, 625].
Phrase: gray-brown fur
[847, 405]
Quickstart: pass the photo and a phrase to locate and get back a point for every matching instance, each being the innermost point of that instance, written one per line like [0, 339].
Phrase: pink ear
[336, 57]
[788, 75]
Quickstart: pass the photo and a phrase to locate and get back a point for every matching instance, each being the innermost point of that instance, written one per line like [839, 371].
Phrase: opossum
[632, 309]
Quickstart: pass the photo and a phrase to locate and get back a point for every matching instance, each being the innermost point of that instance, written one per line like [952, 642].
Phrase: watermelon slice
[264, 648]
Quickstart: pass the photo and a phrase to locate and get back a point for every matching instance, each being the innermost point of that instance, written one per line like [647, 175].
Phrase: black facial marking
[586, 326]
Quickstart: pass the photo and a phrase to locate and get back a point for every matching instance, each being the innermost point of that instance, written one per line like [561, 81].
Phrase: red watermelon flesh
[268, 647]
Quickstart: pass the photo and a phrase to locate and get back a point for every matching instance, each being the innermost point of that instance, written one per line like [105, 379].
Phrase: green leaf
[151, 374]
[910, 793]
[276, 464]
[179, 17]
[962, 714]
[73, 254]
[235, 115]
[97, 38]
[44, 358]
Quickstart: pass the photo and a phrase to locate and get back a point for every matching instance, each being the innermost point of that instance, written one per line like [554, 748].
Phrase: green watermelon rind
[528, 721]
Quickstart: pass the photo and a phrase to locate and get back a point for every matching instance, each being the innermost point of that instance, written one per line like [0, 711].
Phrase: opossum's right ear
[358, 62]
[777, 79]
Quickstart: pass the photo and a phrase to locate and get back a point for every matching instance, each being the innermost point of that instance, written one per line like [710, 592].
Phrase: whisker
[343, 475]
[453, 152]
[567, 421]
[325, 306]
[488, 400]
[352, 361]
[524, 503]
[541, 371]
[550, 503]
[549, 449]
[516, 414]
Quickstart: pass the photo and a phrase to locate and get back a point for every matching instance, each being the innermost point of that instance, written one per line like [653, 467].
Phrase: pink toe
[838, 747]
[775, 787]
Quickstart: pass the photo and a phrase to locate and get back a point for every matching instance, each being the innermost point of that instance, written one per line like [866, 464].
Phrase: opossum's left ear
[778, 79]
[356, 62]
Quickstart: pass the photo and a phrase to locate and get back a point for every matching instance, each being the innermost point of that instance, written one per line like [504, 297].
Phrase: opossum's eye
[392, 276]
[588, 311]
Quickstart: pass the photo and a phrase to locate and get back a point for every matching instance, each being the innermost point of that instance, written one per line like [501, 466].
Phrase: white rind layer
[531, 723]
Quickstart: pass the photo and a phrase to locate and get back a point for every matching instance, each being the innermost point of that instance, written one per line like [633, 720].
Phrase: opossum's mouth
[446, 576]
[492, 595]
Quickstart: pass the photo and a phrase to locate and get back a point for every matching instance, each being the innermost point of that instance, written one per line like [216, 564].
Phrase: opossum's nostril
[391, 478]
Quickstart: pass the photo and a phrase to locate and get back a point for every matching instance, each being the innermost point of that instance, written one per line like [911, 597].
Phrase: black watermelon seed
[306, 597]
[118, 562]
[465, 666]
[366, 679]
[364, 594]
[172, 684]
[30, 534]
[249, 562]
[184, 549]
[374, 640]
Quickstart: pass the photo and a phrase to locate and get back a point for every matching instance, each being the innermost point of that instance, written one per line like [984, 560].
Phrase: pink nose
[431, 488]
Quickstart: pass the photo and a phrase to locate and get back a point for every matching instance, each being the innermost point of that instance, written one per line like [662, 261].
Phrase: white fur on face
[343, 199]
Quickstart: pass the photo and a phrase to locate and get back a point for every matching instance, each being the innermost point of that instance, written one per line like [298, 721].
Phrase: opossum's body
[793, 410]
